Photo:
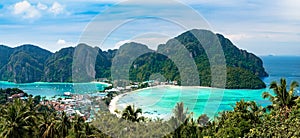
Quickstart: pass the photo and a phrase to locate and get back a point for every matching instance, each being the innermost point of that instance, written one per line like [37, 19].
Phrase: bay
[50, 89]
[159, 102]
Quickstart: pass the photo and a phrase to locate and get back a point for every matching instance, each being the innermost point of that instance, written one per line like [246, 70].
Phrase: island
[29, 63]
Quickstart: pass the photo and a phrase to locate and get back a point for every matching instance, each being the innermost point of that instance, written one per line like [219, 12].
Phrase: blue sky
[262, 27]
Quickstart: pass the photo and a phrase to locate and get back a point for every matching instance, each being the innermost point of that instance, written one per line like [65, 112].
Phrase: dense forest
[26, 118]
[28, 63]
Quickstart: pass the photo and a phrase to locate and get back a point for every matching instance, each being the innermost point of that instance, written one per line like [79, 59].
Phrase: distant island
[29, 63]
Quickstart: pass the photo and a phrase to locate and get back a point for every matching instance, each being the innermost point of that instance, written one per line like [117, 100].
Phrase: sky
[269, 27]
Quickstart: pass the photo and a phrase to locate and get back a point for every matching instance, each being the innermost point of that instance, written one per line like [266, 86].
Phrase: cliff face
[24, 64]
[29, 63]
[58, 66]
[244, 69]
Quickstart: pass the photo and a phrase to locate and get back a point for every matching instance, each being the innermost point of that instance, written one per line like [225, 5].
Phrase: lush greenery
[6, 93]
[243, 69]
[247, 119]
[30, 63]
[27, 118]
[58, 67]
[23, 64]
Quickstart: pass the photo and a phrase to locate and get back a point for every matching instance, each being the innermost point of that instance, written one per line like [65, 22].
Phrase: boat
[67, 93]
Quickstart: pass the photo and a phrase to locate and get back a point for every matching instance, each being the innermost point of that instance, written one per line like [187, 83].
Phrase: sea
[160, 101]
[51, 89]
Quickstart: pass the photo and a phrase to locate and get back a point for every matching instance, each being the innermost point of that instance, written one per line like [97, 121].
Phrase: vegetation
[247, 119]
[24, 64]
[25, 118]
[244, 69]
[6, 93]
[29, 63]
[20, 119]
[58, 67]
[132, 114]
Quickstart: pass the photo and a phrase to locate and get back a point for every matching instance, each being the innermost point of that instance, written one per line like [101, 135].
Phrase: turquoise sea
[161, 101]
[51, 89]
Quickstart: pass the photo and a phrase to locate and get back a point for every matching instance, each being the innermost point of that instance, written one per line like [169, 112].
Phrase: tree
[179, 112]
[17, 120]
[37, 99]
[132, 114]
[203, 120]
[63, 124]
[283, 98]
[47, 125]
[78, 126]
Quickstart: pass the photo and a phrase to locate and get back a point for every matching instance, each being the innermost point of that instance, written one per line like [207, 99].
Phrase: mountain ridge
[29, 63]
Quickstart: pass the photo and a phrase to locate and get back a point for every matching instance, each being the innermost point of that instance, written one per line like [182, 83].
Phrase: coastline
[103, 83]
[113, 103]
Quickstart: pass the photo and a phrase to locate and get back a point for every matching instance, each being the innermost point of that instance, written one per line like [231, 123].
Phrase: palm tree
[179, 112]
[79, 126]
[241, 106]
[17, 120]
[92, 132]
[63, 124]
[132, 114]
[47, 125]
[203, 120]
[282, 98]
[180, 115]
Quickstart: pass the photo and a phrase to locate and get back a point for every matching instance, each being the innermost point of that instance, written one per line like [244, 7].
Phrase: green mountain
[174, 60]
[244, 69]
[58, 67]
[24, 64]
[5, 54]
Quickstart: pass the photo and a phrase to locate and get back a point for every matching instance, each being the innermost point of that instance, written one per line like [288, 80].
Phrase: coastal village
[86, 105]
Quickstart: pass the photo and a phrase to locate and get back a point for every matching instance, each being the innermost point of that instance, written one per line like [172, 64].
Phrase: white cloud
[237, 37]
[21, 7]
[56, 8]
[42, 6]
[120, 43]
[26, 10]
[61, 42]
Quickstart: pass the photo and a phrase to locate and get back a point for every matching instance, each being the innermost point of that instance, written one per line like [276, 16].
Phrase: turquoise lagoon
[51, 89]
[161, 101]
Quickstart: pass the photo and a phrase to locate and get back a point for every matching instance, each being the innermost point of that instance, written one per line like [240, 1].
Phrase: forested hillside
[28, 63]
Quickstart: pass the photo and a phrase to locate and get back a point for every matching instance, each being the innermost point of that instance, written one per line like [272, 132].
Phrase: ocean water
[52, 89]
[159, 102]
[282, 66]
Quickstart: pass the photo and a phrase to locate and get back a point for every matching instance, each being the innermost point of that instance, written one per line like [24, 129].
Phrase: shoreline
[113, 103]
[42, 82]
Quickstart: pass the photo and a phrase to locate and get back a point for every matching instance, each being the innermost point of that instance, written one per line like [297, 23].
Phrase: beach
[113, 104]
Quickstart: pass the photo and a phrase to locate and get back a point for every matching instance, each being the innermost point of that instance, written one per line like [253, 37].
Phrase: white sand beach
[113, 104]
[103, 83]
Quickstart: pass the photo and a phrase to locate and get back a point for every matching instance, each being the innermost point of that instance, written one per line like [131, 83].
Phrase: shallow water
[161, 101]
[52, 89]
